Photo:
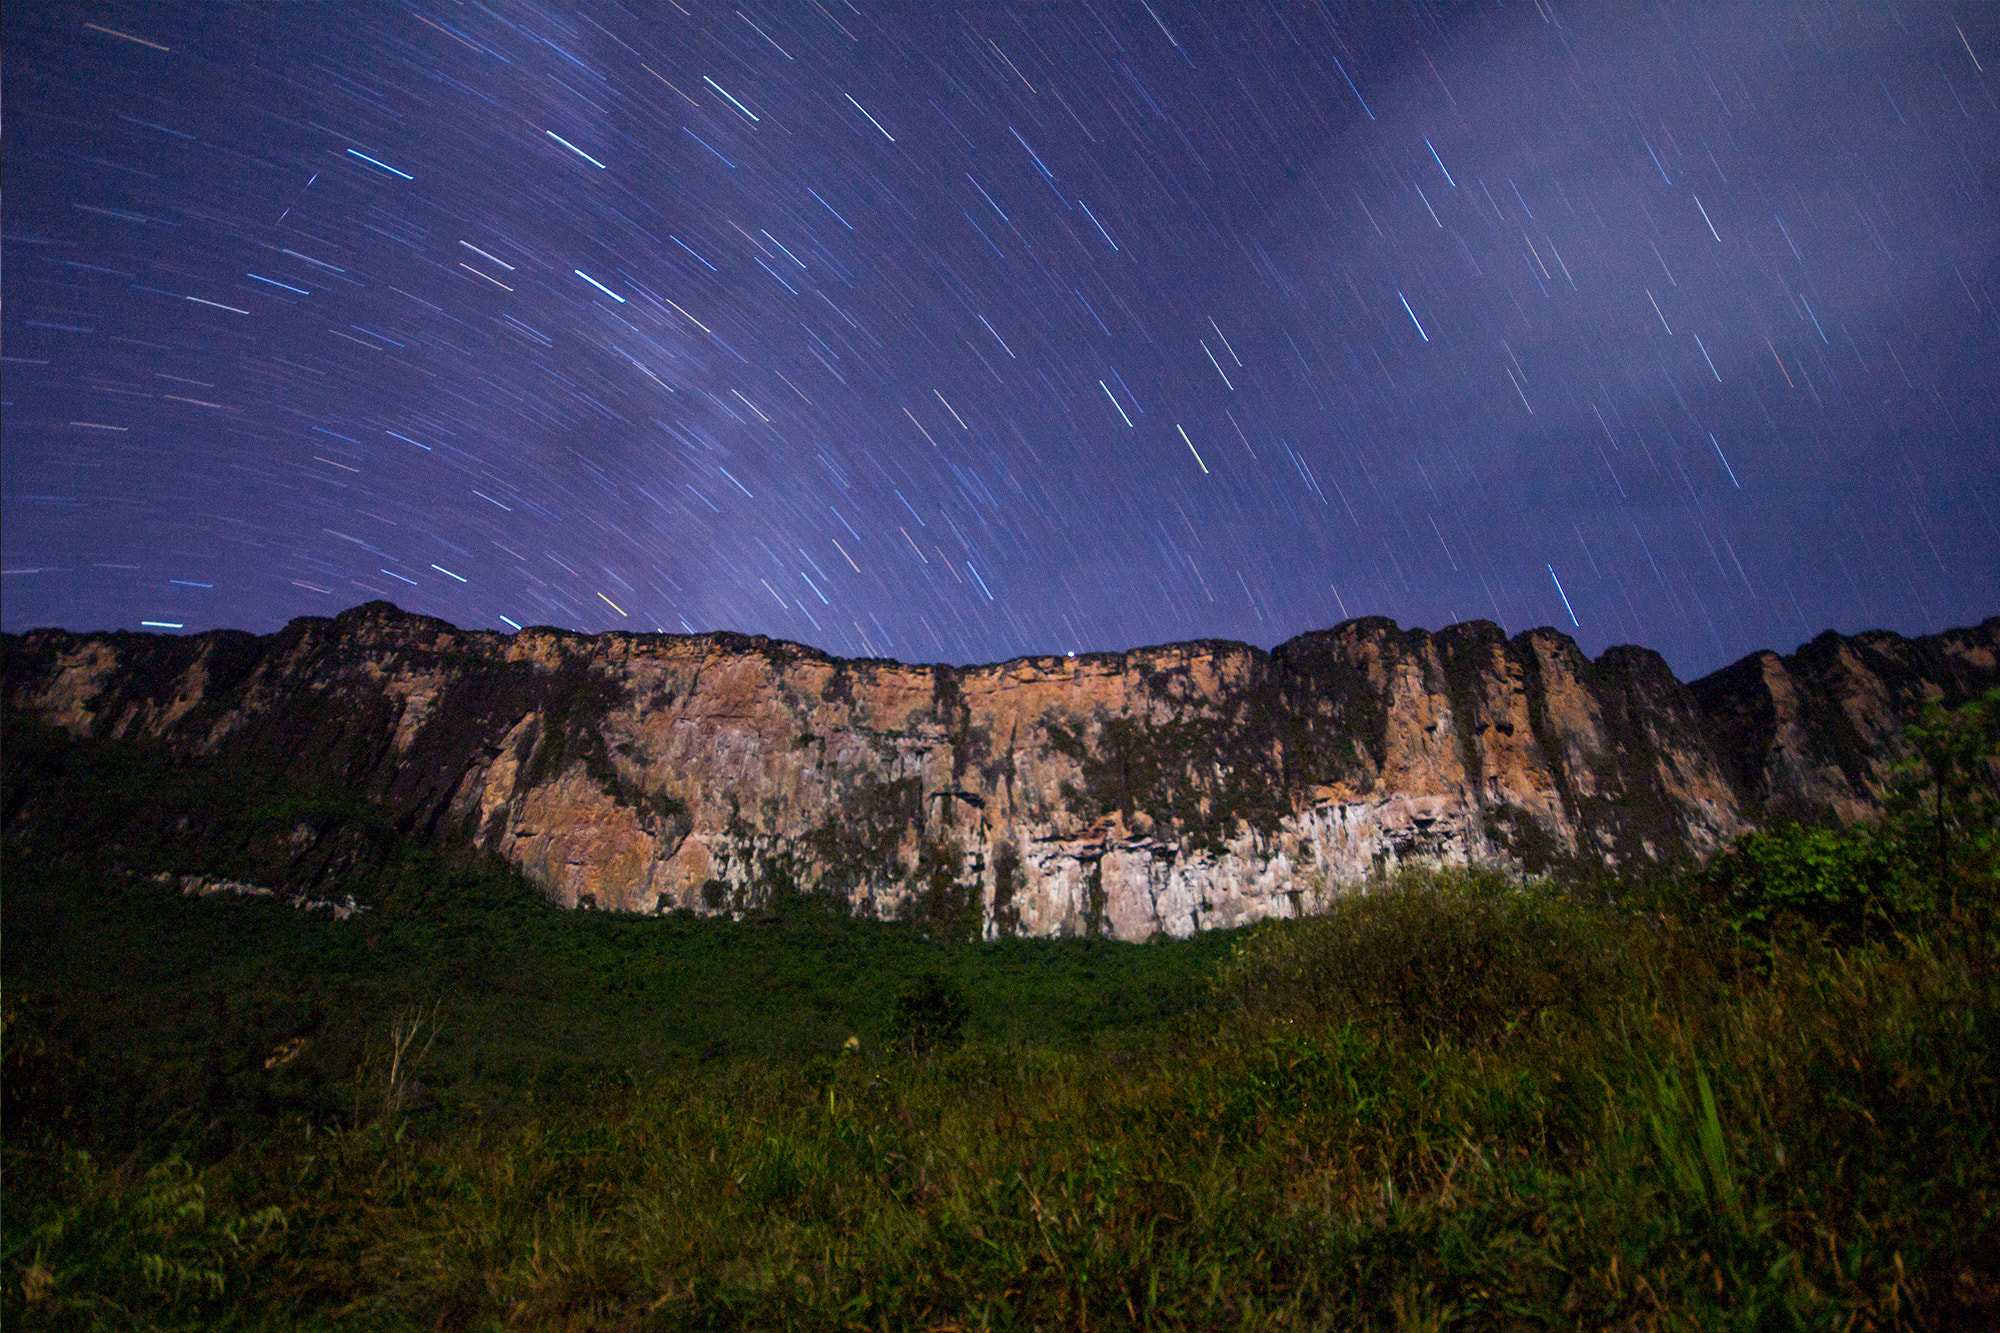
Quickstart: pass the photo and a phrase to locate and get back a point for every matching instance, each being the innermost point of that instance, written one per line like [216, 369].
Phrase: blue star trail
[957, 333]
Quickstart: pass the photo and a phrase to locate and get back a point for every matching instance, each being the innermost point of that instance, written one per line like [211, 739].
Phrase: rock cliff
[1168, 789]
[1812, 735]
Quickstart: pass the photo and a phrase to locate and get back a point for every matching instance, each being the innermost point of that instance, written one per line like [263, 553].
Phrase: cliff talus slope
[1164, 789]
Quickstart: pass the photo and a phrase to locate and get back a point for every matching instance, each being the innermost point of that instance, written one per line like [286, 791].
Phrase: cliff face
[1165, 789]
[1812, 735]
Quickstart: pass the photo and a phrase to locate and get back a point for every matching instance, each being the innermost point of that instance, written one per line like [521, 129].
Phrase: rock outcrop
[1168, 789]
[207, 886]
[1812, 735]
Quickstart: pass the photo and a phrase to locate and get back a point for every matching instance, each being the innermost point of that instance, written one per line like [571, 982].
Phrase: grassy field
[160, 1012]
[1763, 1098]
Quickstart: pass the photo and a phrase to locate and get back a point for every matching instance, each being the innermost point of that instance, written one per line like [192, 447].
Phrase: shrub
[1942, 812]
[1459, 954]
[99, 1244]
[38, 1075]
[1934, 851]
[1841, 882]
[930, 1013]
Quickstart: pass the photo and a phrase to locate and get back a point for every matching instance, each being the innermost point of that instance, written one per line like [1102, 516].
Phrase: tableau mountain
[1162, 790]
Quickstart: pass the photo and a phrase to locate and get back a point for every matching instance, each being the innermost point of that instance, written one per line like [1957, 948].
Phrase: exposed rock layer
[1165, 789]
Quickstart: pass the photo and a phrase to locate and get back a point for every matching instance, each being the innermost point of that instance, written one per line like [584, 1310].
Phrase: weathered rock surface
[1166, 789]
[205, 886]
[1812, 735]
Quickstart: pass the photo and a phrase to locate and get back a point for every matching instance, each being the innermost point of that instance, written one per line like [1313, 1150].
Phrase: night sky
[959, 334]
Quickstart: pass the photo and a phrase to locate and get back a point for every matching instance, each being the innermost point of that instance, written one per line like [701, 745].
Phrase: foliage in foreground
[1655, 1138]
[1934, 853]
[1446, 1103]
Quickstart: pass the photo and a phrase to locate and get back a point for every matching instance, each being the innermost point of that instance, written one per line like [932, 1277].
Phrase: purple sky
[961, 334]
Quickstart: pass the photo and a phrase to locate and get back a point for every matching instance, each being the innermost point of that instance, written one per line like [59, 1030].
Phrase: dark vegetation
[1169, 772]
[1763, 1095]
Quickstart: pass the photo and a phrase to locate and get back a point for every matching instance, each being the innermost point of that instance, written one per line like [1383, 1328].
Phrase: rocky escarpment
[1166, 789]
[1813, 735]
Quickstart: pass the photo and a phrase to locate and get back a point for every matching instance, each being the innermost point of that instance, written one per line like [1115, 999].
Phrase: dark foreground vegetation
[1761, 1096]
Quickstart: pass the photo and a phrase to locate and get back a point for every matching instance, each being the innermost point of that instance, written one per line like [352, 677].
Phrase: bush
[930, 1013]
[1459, 954]
[1934, 851]
[1845, 883]
[102, 1243]
[1942, 813]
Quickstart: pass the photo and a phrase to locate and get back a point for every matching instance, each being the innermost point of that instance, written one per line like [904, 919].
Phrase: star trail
[955, 334]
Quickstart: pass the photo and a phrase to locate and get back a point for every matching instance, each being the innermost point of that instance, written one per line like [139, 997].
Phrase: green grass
[1657, 1138]
[1765, 1102]
[162, 1011]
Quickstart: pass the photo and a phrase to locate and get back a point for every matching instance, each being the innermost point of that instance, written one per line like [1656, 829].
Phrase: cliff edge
[1166, 789]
